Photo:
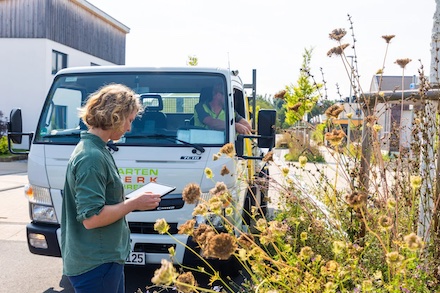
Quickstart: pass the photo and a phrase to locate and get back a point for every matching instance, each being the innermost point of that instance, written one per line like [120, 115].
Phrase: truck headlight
[41, 213]
[37, 194]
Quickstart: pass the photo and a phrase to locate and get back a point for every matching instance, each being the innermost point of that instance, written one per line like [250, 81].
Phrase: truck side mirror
[15, 126]
[266, 128]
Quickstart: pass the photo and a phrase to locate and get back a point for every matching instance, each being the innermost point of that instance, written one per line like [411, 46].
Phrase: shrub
[4, 145]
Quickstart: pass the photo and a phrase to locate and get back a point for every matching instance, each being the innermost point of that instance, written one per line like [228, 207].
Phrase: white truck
[163, 146]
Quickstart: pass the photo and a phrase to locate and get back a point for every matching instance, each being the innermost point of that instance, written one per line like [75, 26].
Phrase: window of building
[59, 61]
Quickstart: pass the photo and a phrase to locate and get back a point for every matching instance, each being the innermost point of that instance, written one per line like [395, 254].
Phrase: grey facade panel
[65, 22]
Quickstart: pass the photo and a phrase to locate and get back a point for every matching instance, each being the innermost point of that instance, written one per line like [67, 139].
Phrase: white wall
[26, 74]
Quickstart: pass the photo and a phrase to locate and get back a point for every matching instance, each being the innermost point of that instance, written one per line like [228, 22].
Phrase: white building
[40, 37]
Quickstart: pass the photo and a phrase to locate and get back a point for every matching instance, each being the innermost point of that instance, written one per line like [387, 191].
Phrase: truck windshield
[169, 100]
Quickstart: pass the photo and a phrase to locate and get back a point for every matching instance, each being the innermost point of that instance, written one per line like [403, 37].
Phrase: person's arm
[112, 213]
[243, 126]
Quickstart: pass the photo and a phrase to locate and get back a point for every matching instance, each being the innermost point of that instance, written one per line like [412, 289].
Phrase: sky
[271, 36]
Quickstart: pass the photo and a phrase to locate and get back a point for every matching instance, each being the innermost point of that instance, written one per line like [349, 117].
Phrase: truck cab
[163, 146]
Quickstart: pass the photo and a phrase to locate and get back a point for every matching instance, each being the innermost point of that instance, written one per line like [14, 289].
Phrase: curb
[13, 158]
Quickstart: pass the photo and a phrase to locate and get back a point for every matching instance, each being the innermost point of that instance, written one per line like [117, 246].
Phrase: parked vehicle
[163, 146]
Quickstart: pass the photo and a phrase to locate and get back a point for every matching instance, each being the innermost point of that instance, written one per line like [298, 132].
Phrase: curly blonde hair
[109, 107]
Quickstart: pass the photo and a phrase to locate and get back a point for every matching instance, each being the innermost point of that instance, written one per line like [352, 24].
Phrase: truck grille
[153, 247]
[148, 228]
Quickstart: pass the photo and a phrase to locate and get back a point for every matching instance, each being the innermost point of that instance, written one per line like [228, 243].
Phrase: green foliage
[301, 99]
[295, 142]
[318, 134]
[4, 145]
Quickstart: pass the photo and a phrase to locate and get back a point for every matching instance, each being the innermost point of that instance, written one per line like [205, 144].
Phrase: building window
[59, 61]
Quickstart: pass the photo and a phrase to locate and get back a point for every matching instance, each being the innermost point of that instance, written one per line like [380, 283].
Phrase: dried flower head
[285, 171]
[268, 157]
[379, 72]
[385, 222]
[187, 228]
[371, 120]
[202, 233]
[228, 149]
[334, 111]
[191, 193]
[306, 253]
[349, 115]
[165, 275]
[402, 62]
[335, 137]
[303, 236]
[338, 50]
[377, 127]
[215, 205]
[246, 240]
[337, 34]
[413, 242]
[224, 171]
[208, 173]
[338, 247]
[295, 107]
[388, 38]
[416, 182]
[217, 156]
[219, 189]
[161, 226]
[331, 268]
[186, 282]
[220, 246]
[394, 258]
[280, 95]
[302, 160]
[357, 199]
[201, 209]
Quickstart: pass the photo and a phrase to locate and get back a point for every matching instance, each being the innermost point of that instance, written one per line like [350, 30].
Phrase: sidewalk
[13, 174]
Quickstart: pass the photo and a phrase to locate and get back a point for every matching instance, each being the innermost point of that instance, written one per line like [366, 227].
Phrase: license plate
[136, 258]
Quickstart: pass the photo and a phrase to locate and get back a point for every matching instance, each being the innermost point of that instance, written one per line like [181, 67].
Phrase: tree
[301, 99]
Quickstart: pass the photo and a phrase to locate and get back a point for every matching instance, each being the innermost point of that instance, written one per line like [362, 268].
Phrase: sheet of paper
[152, 187]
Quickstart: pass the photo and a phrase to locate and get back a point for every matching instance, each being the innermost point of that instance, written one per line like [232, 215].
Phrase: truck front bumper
[42, 239]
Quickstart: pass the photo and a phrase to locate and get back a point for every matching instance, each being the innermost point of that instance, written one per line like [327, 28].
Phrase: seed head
[191, 193]
[388, 38]
[337, 34]
[220, 246]
[338, 50]
[186, 282]
[402, 62]
[161, 226]
[165, 275]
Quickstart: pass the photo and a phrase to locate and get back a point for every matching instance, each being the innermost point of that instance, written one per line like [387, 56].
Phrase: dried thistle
[385, 222]
[388, 38]
[337, 34]
[402, 62]
[338, 50]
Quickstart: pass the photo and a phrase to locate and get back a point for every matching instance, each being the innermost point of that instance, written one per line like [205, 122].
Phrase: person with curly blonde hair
[95, 238]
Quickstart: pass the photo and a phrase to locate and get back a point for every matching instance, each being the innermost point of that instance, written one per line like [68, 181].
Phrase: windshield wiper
[167, 137]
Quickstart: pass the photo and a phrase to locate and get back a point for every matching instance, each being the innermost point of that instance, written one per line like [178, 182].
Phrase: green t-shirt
[92, 181]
